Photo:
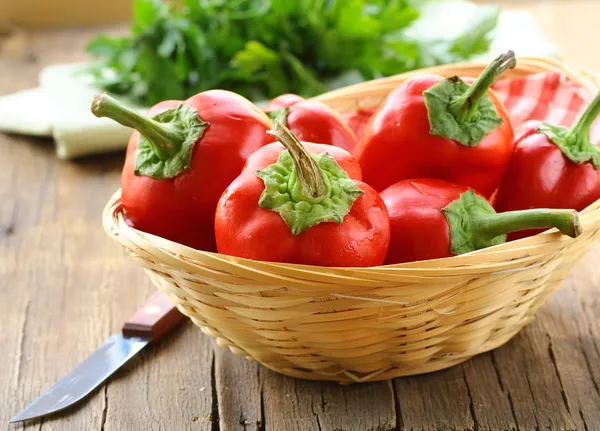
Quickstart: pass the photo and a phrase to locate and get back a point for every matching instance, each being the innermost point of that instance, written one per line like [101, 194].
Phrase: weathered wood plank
[15, 279]
[169, 387]
[490, 404]
[14, 210]
[573, 351]
[61, 321]
[509, 365]
[238, 389]
[292, 404]
[435, 401]
[578, 391]
[288, 405]
[48, 333]
[368, 407]
[527, 370]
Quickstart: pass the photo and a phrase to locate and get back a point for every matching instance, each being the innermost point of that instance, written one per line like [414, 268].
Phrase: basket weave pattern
[364, 324]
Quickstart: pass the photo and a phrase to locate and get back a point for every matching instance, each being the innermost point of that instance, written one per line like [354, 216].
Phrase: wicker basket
[364, 324]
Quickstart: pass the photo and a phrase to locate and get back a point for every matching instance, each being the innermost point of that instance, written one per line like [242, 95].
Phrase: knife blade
[155, 319]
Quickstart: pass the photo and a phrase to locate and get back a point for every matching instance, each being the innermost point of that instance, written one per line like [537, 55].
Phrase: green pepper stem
[165, 139]
[581, 130]
[465, 107]
[279, 115]
[308, 173]
[493, 225]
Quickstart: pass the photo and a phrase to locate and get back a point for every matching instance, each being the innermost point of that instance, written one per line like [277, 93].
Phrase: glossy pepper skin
[177, 200]
[442, 128]
[433, 219]
[312, 121]
[283, 101]
[269, 154]
[257, 221]
[358, 120]
[552, 167]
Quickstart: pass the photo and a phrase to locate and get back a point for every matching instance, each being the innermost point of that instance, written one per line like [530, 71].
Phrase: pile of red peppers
[435, 171]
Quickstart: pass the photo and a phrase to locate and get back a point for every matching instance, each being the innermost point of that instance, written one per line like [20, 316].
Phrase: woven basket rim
[113, 217]
[115, 225]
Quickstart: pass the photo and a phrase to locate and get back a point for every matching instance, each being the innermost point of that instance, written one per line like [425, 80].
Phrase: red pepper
[181, 158]
[305, 208]
[552, 167]
[311, 121]
[283, 101]
[269, 154]
[431, 219]
[435, 127]
[358, 120]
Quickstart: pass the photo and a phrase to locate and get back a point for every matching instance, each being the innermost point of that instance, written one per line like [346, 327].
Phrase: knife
[155, 319]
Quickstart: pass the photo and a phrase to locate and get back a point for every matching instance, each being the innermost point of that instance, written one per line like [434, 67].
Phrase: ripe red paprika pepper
[435, 127]
[432, 218]
[552, 167]
[283, 101]
[270, 153]
[311, 121]
[304, 209]
[358, 120]
[180, 159]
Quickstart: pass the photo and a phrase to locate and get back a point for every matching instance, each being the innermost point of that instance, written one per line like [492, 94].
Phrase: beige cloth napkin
[59, 107]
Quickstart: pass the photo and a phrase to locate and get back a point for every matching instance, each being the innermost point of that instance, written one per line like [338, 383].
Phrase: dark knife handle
[155, 319]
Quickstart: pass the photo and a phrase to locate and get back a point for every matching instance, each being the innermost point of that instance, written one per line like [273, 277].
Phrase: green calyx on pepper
[279, 115]
[575, 143]
[167, 139]
[305, 189]
[474, 224]
[462, 112]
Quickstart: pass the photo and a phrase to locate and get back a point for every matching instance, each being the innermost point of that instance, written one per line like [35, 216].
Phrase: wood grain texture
[168, 386]
[292, 404]
[490, 405]
[238, 387]
[368, 407]
[438, 400]
[65, 287]
[47, 273]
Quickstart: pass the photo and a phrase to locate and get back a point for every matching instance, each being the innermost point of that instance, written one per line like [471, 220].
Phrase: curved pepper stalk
[462, 112]
[474, 224]
[168, 138]
[305, 189]
[575, 143]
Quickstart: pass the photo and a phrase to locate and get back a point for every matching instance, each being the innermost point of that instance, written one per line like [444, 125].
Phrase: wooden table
[65, 287]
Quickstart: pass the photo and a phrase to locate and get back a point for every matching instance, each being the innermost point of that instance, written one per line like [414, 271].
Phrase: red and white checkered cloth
[549, 96]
